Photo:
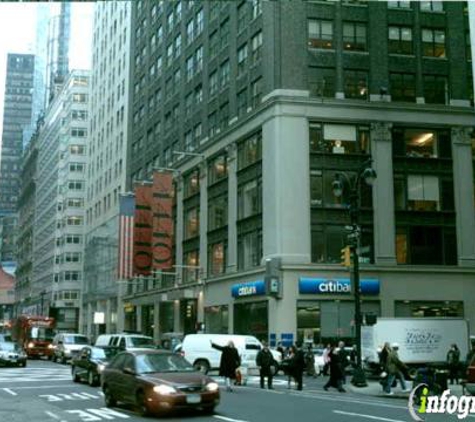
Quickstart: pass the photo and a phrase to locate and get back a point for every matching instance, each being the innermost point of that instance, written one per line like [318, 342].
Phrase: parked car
[196, 348]
[11, 354]
[156, 381]
[67, 345]
[89, 364]
[122, 342]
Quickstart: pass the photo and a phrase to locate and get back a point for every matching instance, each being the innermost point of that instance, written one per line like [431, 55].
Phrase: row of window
[321, 35]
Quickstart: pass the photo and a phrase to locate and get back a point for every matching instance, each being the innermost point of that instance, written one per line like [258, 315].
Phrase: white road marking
[54, 416]
[7, 390]
[45, 386]
[224, 418]
[377, 418]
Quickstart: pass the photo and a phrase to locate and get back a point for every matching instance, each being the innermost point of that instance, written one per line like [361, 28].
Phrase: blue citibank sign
[325, 286]
[252, 288]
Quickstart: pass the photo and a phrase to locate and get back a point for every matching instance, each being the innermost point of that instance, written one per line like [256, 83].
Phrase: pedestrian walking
[326, 359]
[229, 363]
[453, 362]
[266, 363]
[298, 365]
[336, 378]
[344, 360]
[310, 362]
[395, 369]
[281, 350]
[383, 360]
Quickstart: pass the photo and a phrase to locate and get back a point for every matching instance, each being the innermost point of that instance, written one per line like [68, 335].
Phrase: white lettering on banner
[332, 286]
[247, 290]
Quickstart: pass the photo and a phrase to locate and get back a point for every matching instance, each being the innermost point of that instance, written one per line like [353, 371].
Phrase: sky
[17, 35]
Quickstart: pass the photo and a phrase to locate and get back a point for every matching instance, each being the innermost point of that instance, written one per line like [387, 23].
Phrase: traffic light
[346, 256]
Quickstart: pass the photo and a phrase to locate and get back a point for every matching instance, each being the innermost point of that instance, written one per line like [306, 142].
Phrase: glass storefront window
[252, 319]
[217, 319]
[427, 309]
[166, 314]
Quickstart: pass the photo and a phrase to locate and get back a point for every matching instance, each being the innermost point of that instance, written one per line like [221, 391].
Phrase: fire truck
[35, 334]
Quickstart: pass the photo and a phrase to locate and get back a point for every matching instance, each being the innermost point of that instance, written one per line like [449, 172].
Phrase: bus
[35, 335]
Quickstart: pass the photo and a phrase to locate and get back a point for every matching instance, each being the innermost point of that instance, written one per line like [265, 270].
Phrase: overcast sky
[17, 35]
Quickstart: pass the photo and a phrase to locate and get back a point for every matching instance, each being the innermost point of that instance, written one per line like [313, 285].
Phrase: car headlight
[50, 346]
[212, 386]
[31, 345]
[164, 389]
[101, 367]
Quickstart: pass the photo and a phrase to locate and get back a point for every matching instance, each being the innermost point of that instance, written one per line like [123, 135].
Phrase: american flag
[126, 236]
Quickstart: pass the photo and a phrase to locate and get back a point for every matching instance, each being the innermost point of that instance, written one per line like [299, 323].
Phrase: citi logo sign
[334, 286]
[247, 291]
[251, 288]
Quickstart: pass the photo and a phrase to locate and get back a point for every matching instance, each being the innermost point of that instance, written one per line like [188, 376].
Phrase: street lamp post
[367, 174]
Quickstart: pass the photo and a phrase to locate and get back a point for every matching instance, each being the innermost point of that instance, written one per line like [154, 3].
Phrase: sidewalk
[375, 389]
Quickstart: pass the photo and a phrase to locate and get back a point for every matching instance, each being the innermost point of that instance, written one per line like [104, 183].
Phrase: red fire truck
[35, 334]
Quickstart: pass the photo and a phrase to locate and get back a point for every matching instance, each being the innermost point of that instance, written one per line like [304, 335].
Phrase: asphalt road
[44, 392]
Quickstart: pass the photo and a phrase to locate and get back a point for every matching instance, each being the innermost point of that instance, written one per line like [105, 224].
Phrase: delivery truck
[421, 341]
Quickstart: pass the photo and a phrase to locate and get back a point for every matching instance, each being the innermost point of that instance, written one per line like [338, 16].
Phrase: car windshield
[9, 347]
[141, 342]
[40, 333]
[98, 354]
[75, 340]
[151, 363]
[5, 337]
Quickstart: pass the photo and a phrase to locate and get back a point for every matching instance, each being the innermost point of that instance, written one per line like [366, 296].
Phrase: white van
[196, 348]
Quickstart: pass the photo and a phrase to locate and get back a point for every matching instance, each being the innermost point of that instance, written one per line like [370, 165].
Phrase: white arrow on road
[377, 418]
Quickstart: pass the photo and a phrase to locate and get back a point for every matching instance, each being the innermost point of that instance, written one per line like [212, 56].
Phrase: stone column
[286, 210]
[383, 195]
[122, 288]
[138, 313]
[156, 321]
[176, 316]
[203, 263]
[463, 193]
[231, 264]
[89, 320]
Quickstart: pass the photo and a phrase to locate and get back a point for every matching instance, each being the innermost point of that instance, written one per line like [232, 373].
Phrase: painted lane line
[45, 386]
[224, 418]
[7, 390]
[54, 416]
[360, 415]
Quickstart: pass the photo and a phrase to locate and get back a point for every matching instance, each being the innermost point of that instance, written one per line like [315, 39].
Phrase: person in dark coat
[336, 375]
[230, 361]
[265, 361]
[344, 360]
[453, 362]
[298, 366]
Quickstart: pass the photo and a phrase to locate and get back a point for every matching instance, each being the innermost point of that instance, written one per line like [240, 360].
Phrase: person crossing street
[265, 361]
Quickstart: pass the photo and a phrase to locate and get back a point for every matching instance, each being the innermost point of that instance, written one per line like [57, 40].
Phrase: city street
[43, 391]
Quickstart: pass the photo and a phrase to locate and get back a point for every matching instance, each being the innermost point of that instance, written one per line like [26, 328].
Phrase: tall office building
[107, 153]
[16, 118]
[60, 192]
[57, 65]
[281, 102]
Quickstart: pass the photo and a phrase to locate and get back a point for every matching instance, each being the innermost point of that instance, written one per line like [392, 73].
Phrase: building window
[435, 89]
[192, 261]
[339, 139]
[242, 102]
[218, 212]
[224, 115]
[189, 104]
[192, 223]
[399, 4]
[423, 193]
[403, 87]
[354, 36]
[433, 43]
[249, 199]
[198, 94]
[75, 185]
[250, 249]
[241, 16]
[199, 60]
[256, 92]
[324, 83]
[242, 59]
[177, 46]
[426, 245]
[256, 43]
[256, 8]
[212, 123]
[421, 143]
[192, 184]
[320, 34]
[225, 74]
[432, 6]
[213, 44]
[79, 98]
[190, 31]
[218, 169]
[213, 83]
[224, 34]
[199, 22]
[356, 84]
[400, 40]
[77, 149]
[217, 258]
[249, 151]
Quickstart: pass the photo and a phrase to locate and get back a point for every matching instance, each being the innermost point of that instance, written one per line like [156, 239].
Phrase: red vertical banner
[143, 228]
[162, 208]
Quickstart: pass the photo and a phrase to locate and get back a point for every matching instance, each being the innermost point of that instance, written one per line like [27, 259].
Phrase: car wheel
[142, 406]
[91, 379]
[208, 410]
[75, 373]
[108, 397]
[202, 366]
